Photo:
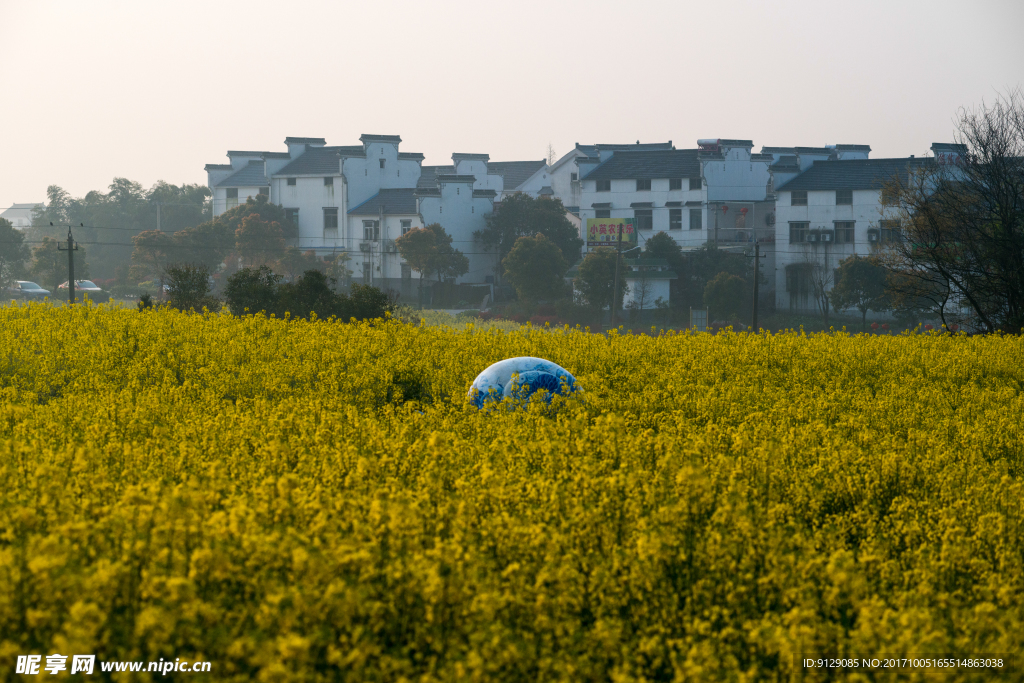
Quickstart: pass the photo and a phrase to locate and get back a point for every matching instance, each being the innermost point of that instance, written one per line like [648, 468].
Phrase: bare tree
[961, 219]
[640, 291]
[551, 154]
[822, 280]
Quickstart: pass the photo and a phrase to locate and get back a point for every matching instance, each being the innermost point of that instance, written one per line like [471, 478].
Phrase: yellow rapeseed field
[316, 501]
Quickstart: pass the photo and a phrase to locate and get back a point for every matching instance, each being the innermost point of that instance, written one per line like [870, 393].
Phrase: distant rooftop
[250, 175]
[676, 163]
[852, 174]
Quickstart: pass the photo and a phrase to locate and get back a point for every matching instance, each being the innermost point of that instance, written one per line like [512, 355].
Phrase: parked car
[30, 291]
[83, 287]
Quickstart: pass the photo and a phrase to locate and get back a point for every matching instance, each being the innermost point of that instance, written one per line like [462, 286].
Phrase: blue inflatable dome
[532, 374]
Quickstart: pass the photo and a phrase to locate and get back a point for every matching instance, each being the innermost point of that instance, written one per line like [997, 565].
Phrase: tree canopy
[595, 279]
[860, 282]
[429, 252]
[535, 268]
[13, 253]
[520, 215]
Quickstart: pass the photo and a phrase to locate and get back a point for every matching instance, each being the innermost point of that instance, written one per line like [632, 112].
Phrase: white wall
[366, 178]
[821, 213]
[461, 214]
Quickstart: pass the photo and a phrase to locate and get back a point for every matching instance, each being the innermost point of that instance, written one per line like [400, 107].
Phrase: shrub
[188, 288]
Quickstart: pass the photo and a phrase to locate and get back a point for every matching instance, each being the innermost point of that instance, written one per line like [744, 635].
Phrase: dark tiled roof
[786, 162]
[854, 148]
[854, 174]
[514, 173]
[455, 178]
[735, 143]
[762, 157]
[319, 161]
[367, 137]
[250, 175]
[948, 147]
[675, 163]
[428, 174]
[238, 153]
[546, 190]
[415, 156]
[218, 167]
[277, 155]
[592, 150]
[695, 202]
[797, 150]
[427, 191]
[393, 201]
[642, 205]
[484, 193]
[461, 156]
[305, 141]
[673, 203]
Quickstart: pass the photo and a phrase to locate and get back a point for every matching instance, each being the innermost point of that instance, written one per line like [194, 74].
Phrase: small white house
[828, 212]
[20, 215]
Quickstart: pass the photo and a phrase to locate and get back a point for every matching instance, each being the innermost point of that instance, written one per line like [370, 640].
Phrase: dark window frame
[845, 232]
[643, 184]
[291, 182]
[844, 197]
[798, 198]
[675, 219]
[603, 185]
[798, 232]
[699, 216]
[329, 181]
[602, 213]
[675, 184]
[643, 219]
[292, 215]
[696, 183]
[232, 193]
[330, 218]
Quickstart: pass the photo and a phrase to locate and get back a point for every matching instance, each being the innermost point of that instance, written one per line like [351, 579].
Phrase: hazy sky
[154, 90]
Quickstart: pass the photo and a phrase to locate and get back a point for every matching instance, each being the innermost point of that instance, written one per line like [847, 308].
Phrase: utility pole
[158, 216]
[615, 286]
[71, 249]
[757, 276]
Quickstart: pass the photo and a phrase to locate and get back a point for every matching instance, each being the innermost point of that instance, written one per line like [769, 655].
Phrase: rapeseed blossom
[306, 501]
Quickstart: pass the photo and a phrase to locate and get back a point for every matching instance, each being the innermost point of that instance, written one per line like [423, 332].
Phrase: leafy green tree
[429, 252]
[725, 296]
[535, 268]
[337, 269]
[259, 241]
[189, 288]
[13, 253]
[702, 265]
[207, 244]
[595, 279]
[860, 283]
[154, 252]
[520, 215]
[252, 290]
[50, 265]
[262, 207]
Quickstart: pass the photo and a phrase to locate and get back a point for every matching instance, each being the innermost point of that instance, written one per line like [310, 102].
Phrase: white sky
[154, 90]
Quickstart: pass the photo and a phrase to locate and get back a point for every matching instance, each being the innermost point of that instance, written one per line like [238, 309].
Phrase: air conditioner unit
[826, 235]
[365, 246]
[872, 235]
[390, 247]
[813, 236]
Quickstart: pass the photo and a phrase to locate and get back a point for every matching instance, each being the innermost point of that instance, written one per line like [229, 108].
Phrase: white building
[359, 199]
[715, 193]
[20, 215]
[830, 211]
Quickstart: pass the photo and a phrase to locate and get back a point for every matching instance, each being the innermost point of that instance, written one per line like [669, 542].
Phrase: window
[890, 232]
[265, 191]
[695, 184]
[232, 200]
[330, 219]
[603, 213]
[574, 177]
[844, 197]
[643, 219]
[642, 185]
[406, 271]
[406, 225]
[292, 215]
[675, 183]
[844, 232]
[798, 198]
[291, 181]
[366, 272]
[675, 219]
[604, 186]
[371, 230]
[798, 232]
[696, 220]
[382, 163]
[328, 182]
